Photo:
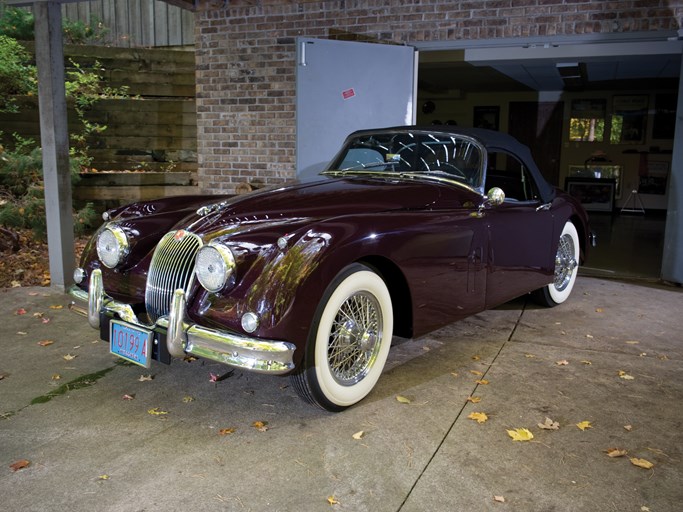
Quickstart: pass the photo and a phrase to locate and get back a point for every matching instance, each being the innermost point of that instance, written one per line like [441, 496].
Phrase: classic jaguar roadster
[407, 230]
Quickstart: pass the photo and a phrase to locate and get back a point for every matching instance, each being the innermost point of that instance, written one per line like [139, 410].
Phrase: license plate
[130, 343]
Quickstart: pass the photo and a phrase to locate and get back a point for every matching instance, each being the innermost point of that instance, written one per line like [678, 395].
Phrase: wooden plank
[161, 25]
[147, 21]
[175, 29]
[133, 193]
[188, 27]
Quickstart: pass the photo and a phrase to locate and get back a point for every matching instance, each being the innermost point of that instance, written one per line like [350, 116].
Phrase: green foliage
[22, 200]
[17, 75]
[17, 23]
[78, 32]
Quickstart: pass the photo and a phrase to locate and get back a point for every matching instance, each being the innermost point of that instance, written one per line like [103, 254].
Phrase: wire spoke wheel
[354, 340]
[348, 342]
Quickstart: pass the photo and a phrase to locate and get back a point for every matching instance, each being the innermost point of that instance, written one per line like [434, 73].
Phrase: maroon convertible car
[407, 230]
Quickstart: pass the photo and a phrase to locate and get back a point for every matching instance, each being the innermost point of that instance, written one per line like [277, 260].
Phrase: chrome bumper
[253, 354]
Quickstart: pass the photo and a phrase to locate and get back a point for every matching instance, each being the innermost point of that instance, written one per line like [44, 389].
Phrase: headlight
[214, 266]
[112, 246]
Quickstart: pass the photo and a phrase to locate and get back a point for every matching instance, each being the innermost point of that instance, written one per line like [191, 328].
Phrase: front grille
[172, 267]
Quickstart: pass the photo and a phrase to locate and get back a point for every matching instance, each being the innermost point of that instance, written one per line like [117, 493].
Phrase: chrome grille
[172, 267]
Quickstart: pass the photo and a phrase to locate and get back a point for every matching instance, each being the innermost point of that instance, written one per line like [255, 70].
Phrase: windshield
[448, 156]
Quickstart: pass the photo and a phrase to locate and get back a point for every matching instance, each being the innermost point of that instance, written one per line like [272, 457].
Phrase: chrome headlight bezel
[112, 246]
[214, 266]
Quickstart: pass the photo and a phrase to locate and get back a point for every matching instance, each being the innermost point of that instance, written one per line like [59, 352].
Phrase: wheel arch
[401, 297]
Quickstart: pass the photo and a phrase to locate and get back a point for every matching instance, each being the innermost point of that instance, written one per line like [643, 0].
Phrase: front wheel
[566, 268]
[348, 341]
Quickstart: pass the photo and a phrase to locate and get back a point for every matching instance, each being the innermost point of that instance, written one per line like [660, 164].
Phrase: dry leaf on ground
[358, 435]
[625, 376]
[156, 411]
[261, 426]
[483, 382]
[19, 464]
[549, 424]
[564, 362]
[144, 378]
[227, 431]
[402, 399]
[615, 452]
[45, 343]
[476, 372]
[499, 499]
[641, 463]
[332, 500]
[479, 417]
[584, 425]
[474, 399]
[520, 434]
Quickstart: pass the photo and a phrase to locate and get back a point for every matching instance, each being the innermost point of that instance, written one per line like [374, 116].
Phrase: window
[508, 173]
[587, 120]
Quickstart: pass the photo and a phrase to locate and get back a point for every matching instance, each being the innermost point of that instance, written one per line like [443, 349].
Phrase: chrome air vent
[172, 267]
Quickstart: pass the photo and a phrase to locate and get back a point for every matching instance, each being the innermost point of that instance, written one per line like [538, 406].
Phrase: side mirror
[495, 196]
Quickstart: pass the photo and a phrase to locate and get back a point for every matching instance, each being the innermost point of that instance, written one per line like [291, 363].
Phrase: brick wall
[246, 60]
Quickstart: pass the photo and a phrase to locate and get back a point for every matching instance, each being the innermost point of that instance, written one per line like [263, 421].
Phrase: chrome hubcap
[565, 262]
[354, 339]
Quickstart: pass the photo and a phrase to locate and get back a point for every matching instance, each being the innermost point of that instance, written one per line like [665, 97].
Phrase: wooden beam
[54, 136]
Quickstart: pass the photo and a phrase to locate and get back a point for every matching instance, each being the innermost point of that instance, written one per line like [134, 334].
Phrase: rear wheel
[348, 342]
[566, 268]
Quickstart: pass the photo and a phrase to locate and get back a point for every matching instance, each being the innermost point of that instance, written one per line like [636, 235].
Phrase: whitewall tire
[566, 269]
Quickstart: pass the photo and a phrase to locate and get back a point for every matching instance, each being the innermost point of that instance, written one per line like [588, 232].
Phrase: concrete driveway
[101, 435]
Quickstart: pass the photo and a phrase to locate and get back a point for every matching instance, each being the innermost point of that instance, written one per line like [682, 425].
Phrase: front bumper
[182, 338]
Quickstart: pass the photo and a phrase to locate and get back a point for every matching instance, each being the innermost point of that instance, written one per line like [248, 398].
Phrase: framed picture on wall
[595, 194]
[629, 114]
[486, 117]
[600, 171]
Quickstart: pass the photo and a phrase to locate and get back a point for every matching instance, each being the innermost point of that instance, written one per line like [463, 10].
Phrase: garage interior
[601, 111]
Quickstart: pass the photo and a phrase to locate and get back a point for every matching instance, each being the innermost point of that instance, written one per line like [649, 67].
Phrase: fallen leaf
[564, 362]
[358, 435]
[402, 399]
[144, 378]
[584, 425]
[332, 500]
[549, 424]
[520, 434]
[45, 320]
[454, 374]
[615, 452]
[188, 399]
[261, 426]
[476, 358]
[19, 464]
[227, 431]
[529, 356]
[128, 397]
[483, 382]
[641, 463]
[499, 499]
[57, 306]
[103, 477]
[625, 376]
[20, 311]
[69, 357]
[3, 375]
[479, 417]
[22, 333]
[38, 314]
[157, 412]
[45, 343]
[475, 372]
[16, 284]
[643, 354]
[632, 342]
[598, 310]
[586, 362]
[628, 428]
[589, 336]
[474, 399]
[189, 359]
[56, 376]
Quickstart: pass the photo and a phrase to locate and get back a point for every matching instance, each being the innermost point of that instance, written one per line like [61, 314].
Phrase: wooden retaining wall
[155, 129]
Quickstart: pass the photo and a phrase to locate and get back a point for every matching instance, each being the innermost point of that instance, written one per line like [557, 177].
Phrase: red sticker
[348, 94]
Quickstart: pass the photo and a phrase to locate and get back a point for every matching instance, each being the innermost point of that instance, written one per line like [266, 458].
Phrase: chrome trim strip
[253, 354]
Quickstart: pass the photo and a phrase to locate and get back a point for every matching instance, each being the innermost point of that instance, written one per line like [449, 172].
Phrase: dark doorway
[539, 126]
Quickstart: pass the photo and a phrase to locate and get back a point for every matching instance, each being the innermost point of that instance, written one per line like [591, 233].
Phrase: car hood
[324, 199]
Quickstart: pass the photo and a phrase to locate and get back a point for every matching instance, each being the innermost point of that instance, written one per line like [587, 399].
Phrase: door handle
[544, 207]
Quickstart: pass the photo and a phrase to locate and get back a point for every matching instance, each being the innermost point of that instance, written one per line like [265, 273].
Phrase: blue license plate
[130, 343]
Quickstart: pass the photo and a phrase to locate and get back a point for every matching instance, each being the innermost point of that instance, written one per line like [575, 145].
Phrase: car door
[519, 257]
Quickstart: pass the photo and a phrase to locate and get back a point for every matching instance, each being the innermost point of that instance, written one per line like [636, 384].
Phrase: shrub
[17, 75]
